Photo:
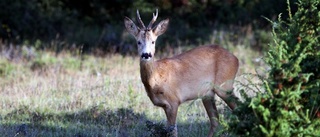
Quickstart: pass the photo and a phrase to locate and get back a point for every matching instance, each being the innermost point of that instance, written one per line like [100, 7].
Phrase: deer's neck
[147, 70]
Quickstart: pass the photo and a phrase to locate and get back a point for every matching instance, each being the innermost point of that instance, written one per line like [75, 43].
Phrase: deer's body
[198, 73]
[170, 80]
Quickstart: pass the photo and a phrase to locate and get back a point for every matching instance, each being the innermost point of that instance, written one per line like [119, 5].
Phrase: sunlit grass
[84, 95]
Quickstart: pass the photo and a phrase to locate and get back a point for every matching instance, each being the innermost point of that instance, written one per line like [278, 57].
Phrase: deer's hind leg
[210, 106]
[225, 92]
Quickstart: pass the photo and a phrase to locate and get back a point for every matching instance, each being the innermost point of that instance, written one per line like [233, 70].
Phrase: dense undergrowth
[290, 103]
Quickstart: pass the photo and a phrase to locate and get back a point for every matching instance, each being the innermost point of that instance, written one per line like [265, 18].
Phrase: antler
[139, 20]
[153, 19]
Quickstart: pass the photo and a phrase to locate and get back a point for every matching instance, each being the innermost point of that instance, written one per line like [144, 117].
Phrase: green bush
[290, 105]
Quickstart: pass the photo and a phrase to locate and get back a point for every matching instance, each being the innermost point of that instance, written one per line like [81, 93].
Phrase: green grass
[69, 95]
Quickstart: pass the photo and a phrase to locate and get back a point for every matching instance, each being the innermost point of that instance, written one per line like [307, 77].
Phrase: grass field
[72, 95]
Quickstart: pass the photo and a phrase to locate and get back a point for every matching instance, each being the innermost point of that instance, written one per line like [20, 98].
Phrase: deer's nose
[146, 55]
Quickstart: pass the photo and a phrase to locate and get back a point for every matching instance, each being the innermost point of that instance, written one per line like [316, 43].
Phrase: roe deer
[198, 73]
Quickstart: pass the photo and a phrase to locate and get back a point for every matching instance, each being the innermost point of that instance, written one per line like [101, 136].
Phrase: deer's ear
[161, 27]
[131, 27]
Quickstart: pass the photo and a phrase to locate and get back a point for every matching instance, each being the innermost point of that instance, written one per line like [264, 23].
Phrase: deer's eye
[152, 42]
[139, 42]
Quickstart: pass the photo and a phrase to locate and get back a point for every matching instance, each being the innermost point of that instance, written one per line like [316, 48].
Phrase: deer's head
[146, 36]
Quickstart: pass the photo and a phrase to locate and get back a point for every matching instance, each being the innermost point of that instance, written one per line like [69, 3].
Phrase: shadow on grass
[95, 121]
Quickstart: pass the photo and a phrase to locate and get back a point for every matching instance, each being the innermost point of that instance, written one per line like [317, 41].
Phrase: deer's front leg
[171, 113]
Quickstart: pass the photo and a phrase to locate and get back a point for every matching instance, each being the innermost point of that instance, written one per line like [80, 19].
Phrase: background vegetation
[98, 24]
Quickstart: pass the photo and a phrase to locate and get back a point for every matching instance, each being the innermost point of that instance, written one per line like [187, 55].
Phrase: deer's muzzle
[146, 56]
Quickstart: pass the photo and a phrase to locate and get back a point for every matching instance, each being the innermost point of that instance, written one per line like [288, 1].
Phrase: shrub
[291, 101]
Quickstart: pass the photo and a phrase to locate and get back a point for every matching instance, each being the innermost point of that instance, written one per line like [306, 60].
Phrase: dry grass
[68, 96]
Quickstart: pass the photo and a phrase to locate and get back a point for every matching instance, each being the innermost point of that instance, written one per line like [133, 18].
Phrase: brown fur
[198, 73]
[165, 80]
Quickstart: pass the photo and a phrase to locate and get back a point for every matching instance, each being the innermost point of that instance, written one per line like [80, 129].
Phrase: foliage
[99, 24]
[290, 105]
